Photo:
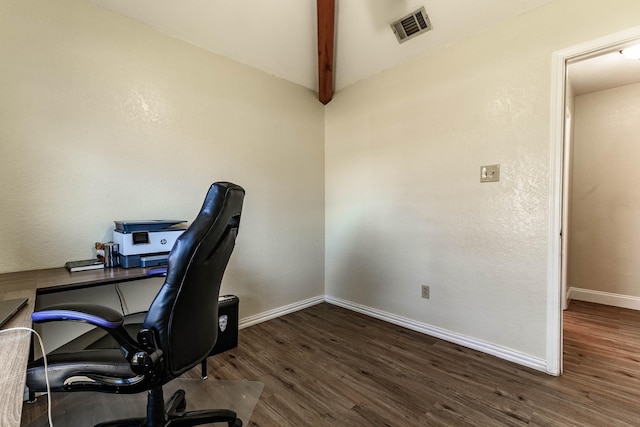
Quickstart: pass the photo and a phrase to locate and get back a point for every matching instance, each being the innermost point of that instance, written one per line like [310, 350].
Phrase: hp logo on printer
[163, 241]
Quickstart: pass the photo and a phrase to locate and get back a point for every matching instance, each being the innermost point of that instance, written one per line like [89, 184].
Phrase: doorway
[560, 157]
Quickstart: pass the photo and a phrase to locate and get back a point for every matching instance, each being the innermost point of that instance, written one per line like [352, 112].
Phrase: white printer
[146, 243]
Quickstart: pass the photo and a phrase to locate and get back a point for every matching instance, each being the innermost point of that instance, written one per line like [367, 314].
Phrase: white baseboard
[280, 311]
[472, 343]
[606, 298]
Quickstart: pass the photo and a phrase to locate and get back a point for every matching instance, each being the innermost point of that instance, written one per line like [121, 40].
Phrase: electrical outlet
[490, 173]
[425, 291]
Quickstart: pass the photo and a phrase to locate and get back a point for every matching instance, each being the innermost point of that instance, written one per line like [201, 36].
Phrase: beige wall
[605, 239]
[103, 118]
[404, 206]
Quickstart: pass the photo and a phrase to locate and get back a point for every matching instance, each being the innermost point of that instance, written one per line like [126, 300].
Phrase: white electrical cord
[44, 358]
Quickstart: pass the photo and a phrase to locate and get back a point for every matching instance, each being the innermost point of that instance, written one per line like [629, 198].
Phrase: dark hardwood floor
[327, 366]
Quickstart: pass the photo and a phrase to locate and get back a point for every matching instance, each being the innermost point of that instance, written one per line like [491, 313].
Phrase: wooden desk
[14, 346]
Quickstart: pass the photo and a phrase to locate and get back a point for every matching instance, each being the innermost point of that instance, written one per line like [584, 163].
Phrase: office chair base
[172, 413]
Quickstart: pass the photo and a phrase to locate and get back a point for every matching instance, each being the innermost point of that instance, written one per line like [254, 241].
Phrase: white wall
[404, 205]
[605, 240]
[103, 118]
[567, 193]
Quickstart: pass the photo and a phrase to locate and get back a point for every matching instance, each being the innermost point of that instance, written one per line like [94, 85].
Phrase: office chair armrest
[97, 315]
[157, 272]
[103, 317]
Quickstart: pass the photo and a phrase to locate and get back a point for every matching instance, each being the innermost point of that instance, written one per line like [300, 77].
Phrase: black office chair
[178, 332]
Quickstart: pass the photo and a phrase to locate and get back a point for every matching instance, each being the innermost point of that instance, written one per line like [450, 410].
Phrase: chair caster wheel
[235, 423]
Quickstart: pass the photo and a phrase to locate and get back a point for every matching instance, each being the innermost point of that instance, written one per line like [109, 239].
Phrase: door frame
[558, 158]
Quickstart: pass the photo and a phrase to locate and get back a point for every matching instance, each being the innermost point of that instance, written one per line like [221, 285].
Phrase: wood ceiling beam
[326, 39]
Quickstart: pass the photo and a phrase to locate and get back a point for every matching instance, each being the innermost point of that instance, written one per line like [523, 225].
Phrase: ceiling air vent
[411, 25]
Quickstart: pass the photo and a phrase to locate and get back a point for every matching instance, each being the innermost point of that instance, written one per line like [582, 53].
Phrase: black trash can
[227, 324]
[227, 327]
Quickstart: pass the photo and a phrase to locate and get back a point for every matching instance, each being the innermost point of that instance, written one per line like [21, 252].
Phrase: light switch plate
[490, 173]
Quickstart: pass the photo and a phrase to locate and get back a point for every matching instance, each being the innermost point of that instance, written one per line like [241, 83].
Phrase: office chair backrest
[185, 311]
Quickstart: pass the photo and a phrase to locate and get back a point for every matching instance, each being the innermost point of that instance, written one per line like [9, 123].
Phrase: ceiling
[606, 71]
[279, 37]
